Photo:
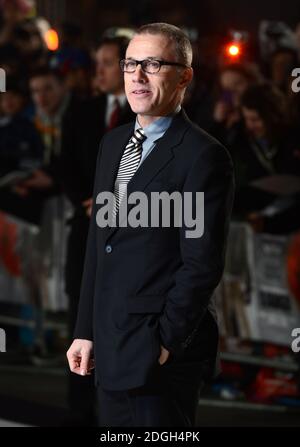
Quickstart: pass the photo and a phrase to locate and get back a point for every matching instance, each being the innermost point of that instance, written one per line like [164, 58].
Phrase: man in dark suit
[146, 317]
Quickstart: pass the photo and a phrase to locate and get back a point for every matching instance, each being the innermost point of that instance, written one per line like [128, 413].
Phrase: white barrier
[254, 299]
[32, 258]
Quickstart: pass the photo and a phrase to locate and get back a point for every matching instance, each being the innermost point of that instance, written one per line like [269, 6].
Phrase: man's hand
[164, 355]
[79, 357]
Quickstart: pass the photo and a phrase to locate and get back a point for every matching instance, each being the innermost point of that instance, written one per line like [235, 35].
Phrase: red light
[233, 50]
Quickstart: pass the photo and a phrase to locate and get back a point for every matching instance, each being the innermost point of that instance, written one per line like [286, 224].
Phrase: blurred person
[281, 64]
[107, 56]
[80, 146]
[13, 15]
[264, 145]
[21, 147]
[13, 12]
[53, 104]
[264, 111]
[19, 31]
[198, 101]
[78, 79]
[28, 39]
[234, 79]
[146, 320]
[21, 151]
[73, 60]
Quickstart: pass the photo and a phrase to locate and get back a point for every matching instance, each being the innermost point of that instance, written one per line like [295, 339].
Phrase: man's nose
[139, 75]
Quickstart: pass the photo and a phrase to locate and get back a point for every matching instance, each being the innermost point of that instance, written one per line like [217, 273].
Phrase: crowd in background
[247, 103]
[58, 105]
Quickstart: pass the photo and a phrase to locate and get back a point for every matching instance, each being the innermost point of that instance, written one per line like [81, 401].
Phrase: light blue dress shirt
[154, 132]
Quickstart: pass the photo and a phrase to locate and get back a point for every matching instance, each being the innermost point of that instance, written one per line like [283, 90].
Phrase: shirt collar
[157, 128]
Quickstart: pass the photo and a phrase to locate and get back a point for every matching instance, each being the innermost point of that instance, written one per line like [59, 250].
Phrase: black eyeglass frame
[161, 63]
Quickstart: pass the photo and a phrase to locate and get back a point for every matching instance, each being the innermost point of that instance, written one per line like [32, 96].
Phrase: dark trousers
[169, 398]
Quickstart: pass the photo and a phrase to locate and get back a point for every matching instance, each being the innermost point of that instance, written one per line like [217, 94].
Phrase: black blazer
[143, 287]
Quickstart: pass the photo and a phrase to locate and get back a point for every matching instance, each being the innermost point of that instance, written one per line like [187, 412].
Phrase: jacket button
[108, 248]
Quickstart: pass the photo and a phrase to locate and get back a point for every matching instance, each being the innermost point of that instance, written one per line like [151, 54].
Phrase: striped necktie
[128, 165]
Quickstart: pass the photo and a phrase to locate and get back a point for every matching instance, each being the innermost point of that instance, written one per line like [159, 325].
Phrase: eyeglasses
[148, 65]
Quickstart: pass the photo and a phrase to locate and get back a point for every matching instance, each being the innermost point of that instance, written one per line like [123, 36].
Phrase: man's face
[47, 93]
[109, 77]
[154, 95]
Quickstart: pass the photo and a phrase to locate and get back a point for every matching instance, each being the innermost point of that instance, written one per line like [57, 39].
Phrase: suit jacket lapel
[158, 158]
[111, 159]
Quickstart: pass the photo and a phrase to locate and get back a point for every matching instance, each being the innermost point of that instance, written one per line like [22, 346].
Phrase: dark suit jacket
[143, 287]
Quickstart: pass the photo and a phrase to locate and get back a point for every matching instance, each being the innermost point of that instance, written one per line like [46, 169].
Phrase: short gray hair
[181, 42]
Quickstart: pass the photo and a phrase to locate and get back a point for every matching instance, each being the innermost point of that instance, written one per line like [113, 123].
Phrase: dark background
[209, 15]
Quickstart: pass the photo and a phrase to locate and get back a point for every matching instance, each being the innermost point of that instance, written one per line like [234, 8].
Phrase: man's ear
[186, 78]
